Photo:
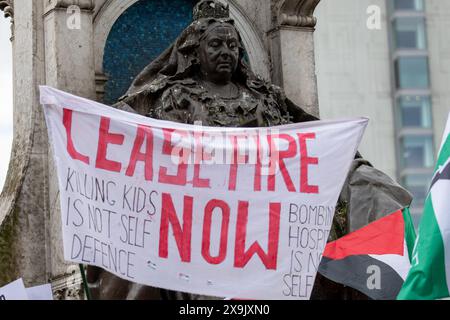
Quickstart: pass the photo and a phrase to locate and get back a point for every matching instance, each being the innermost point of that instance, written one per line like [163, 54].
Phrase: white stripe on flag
[399, 263]
[441, 205]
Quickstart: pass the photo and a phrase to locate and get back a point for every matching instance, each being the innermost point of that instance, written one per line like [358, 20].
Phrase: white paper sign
[43, 292]
[14, 291]
[228, 212]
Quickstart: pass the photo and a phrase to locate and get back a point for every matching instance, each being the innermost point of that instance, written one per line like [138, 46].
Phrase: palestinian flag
[429, 277]
[375, 259]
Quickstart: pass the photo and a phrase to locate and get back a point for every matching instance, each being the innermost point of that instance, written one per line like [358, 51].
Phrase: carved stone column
[292, 51]
[69, 65]
[69, 53]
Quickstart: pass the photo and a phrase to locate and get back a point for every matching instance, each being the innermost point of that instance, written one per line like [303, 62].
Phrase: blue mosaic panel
[139, 36]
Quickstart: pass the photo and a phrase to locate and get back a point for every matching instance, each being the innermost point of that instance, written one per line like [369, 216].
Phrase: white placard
[14, 291]
[228, 212]
[43, 292]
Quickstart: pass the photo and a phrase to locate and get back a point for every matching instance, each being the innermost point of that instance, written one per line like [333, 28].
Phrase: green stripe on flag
[410, 233]
[444, 154]
[426, 279]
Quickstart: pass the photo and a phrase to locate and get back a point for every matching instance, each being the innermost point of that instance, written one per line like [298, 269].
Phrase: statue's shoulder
[262, 85]
[266, 90]
[180, 93]
[295, 112]
[178, 101]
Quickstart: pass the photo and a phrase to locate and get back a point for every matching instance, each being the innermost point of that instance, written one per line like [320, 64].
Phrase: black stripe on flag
[442, 174]
[354, 271]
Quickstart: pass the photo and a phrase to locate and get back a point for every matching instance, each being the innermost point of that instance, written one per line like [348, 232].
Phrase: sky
[6, 104]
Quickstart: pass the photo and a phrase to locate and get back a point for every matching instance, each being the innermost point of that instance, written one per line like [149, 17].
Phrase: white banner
[43, 292]
[14, 291]
[227, 212]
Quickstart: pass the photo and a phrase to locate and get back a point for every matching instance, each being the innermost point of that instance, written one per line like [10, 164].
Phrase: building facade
[388, 60]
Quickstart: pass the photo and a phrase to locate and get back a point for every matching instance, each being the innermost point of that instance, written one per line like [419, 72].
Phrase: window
[417, 152]
[416, 5]
[418, 185]
[413, 105]
[415, 111]
[409, 33]
[412, 73]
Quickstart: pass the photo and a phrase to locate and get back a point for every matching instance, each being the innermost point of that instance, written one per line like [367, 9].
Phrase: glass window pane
[416, 5]
[412, 72]
[409, 33]
[417, 152]
[416, 215]
[418, 185]
[414, 111]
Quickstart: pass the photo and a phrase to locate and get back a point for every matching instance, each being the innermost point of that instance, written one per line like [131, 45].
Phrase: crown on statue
[212, 9]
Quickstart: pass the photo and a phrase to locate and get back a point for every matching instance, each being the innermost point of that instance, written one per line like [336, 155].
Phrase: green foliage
[339, 228]
[7, 240]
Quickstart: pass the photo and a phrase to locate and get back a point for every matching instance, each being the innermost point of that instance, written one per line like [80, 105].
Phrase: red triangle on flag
[384, 236]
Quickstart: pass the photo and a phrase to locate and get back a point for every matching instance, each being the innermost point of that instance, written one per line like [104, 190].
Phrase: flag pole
[85, 284]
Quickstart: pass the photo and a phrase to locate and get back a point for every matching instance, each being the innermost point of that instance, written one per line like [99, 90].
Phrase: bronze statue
[203, 77]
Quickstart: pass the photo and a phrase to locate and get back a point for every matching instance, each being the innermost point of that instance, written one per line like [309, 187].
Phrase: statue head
[218, 48]
[218, 53]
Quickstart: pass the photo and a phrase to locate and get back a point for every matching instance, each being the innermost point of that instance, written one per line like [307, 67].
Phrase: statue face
[219, 54]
